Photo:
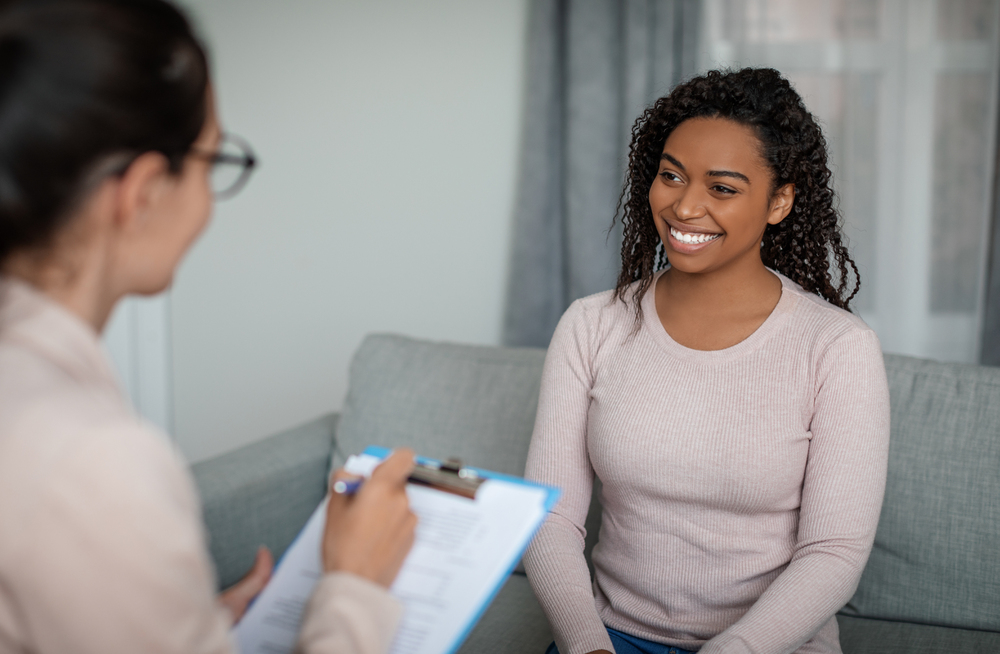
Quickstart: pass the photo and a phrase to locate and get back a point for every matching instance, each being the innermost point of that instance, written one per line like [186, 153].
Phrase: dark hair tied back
[84, 85]
[805, 244]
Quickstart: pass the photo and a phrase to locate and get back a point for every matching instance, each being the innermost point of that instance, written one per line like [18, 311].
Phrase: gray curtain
[989, 352]
[593, 66]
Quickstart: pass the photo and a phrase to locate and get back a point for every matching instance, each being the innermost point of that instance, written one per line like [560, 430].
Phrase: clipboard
[465, 549]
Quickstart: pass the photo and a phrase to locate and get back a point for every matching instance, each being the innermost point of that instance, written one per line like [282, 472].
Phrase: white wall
[388, 133]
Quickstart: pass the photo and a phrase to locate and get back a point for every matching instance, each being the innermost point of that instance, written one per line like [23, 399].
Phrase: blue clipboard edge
[552, 495]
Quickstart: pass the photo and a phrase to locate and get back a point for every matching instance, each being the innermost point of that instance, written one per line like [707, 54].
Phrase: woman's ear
[781, 204]
[140, 188]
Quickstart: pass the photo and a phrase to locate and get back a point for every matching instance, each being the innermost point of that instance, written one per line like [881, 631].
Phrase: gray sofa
[932, 583]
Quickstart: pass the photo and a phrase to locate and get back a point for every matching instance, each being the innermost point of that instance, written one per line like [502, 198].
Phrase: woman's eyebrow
[711, 173]
[673, 161]
[729, 173]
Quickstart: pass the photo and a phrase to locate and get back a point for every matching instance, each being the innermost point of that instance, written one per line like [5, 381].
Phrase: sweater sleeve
[842, 493]
[558, 456]
[349, 615]
[114, 562]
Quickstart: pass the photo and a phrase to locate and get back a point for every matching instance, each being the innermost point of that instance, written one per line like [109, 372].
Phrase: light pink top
[101, 543]
[741, 487]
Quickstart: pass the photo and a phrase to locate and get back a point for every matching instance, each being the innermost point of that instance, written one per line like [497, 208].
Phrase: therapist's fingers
[396, 468]
[371, 533]
[238, 596]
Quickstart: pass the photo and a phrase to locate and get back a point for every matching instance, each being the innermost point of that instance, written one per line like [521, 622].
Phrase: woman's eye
[725, 190]
[669, 176]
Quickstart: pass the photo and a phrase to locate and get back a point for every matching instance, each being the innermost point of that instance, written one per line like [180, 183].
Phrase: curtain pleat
[989, 351]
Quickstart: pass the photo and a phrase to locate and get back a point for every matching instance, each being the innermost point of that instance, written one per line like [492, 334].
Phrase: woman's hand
[238, 596]
[370, 533]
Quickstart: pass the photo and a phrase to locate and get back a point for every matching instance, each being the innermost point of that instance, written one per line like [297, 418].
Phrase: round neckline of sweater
[748, 345]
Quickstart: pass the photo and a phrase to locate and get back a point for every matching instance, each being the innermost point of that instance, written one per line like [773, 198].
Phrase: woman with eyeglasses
[109, 148]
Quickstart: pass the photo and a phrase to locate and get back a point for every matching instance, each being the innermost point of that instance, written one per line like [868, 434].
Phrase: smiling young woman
[733, 408]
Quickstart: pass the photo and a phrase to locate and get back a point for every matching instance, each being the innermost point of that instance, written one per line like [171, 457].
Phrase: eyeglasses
[231, 163]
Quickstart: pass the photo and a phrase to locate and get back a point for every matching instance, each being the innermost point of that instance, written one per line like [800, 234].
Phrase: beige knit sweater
[741, 487]
[102, 549]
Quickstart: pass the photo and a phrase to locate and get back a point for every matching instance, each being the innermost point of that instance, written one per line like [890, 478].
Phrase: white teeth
[685, 237]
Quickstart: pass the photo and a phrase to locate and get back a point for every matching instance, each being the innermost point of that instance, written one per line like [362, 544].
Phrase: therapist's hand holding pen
[370, 532]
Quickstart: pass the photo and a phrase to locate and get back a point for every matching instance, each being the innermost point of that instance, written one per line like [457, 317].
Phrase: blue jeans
[626, 644]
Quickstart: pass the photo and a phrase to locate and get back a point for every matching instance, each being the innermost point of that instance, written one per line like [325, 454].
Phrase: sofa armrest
[263, 494]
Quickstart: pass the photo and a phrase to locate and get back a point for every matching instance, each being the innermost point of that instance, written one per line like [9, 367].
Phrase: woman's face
[711, 197]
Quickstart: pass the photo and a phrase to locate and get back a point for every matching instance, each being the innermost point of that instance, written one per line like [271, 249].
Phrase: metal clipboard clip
[449, 476]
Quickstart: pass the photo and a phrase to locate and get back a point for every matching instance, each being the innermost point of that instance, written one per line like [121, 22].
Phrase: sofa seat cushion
[866, 636]
[935, 556]
[443, 400]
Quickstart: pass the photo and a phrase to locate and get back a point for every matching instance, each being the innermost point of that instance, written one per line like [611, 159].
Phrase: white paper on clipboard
[463, 552]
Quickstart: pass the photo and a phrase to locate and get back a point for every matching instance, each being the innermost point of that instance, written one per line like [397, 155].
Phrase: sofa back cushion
[936, 558]
[472, 402]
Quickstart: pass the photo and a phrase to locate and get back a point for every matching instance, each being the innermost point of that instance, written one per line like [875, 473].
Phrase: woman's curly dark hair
[803, 245]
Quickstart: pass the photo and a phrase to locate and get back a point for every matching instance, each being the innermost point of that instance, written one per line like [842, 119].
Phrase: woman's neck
[725, 290]
[73, 278]
[718, 309]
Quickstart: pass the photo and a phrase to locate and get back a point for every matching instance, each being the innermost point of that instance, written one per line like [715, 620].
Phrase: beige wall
[388, 135]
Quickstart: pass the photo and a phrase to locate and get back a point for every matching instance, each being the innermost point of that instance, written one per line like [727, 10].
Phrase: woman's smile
[690, 242]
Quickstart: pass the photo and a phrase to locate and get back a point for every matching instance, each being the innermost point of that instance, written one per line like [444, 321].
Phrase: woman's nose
[690, 204]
